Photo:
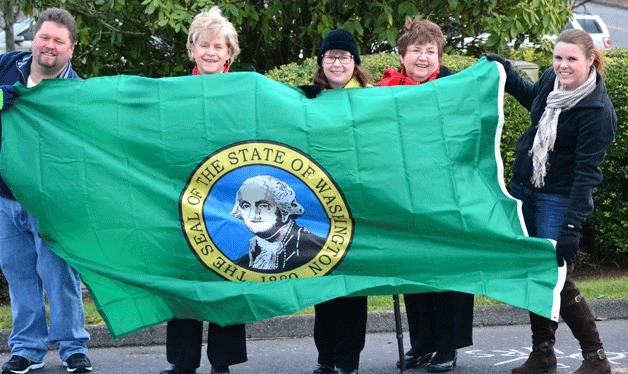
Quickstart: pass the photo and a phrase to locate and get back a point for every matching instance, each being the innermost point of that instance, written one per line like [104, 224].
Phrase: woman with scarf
[339, 324]
[438, 322]
[213, 45]
[557, 165]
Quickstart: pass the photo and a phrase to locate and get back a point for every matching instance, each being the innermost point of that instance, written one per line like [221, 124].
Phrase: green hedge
[604, 234]
[608, 226]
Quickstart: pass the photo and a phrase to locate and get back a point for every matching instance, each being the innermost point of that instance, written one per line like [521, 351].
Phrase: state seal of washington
[263, 211]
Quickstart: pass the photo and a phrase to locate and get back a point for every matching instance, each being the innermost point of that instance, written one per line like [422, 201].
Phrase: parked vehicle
[594, 25]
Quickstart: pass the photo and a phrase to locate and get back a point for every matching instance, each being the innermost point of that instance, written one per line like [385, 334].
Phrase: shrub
[294, 74]
[604, 234]
[299, 74]
[609, 223]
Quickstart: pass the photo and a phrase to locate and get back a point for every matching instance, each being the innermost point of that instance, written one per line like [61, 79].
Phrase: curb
[298, 326]
[612, 3]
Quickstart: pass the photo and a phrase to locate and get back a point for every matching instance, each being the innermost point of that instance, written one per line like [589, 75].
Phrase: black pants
[439, 321]
[184, 340]
[340, 331]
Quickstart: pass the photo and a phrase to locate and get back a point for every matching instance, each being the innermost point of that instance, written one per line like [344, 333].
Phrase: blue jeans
[543, 213]
[30, 268]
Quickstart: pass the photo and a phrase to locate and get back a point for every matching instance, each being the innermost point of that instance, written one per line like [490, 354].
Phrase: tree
[134, 36]
[578, 3]
[9, 14]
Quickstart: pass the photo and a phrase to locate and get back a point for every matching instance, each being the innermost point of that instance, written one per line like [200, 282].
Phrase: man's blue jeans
[30, 268]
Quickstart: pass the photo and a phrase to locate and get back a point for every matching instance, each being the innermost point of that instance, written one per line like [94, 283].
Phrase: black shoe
[19, 364]
[442, 362]
[347, 371]
[220, 370]
[78, 363]
[323, 369]
[414, 361]
[174, 369]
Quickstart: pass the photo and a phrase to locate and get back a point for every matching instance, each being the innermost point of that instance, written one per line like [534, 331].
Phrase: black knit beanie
[339, 39]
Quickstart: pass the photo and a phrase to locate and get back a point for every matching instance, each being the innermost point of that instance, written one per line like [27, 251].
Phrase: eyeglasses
[428, 54]
[345, 60]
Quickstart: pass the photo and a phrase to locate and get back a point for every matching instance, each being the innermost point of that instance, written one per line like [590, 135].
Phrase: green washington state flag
[234, 198]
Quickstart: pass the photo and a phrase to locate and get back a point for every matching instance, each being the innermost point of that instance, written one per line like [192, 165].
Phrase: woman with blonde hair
[213, 45]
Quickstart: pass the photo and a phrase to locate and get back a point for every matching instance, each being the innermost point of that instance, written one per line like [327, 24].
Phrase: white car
[595, 26]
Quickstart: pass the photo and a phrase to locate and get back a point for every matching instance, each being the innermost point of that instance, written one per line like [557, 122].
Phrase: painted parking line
[617, 28]
[507, 356]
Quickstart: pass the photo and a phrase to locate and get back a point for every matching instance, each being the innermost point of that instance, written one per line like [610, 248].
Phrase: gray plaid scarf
[557, 101]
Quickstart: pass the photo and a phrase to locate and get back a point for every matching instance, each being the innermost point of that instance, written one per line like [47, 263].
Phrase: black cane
[399, 330]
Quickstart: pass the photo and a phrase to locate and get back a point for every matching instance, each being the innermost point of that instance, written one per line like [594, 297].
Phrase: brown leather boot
[541, 360]
[594, 363]
[578, 316]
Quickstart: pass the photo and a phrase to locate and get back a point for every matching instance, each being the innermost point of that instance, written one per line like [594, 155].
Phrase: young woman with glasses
[340, 324]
